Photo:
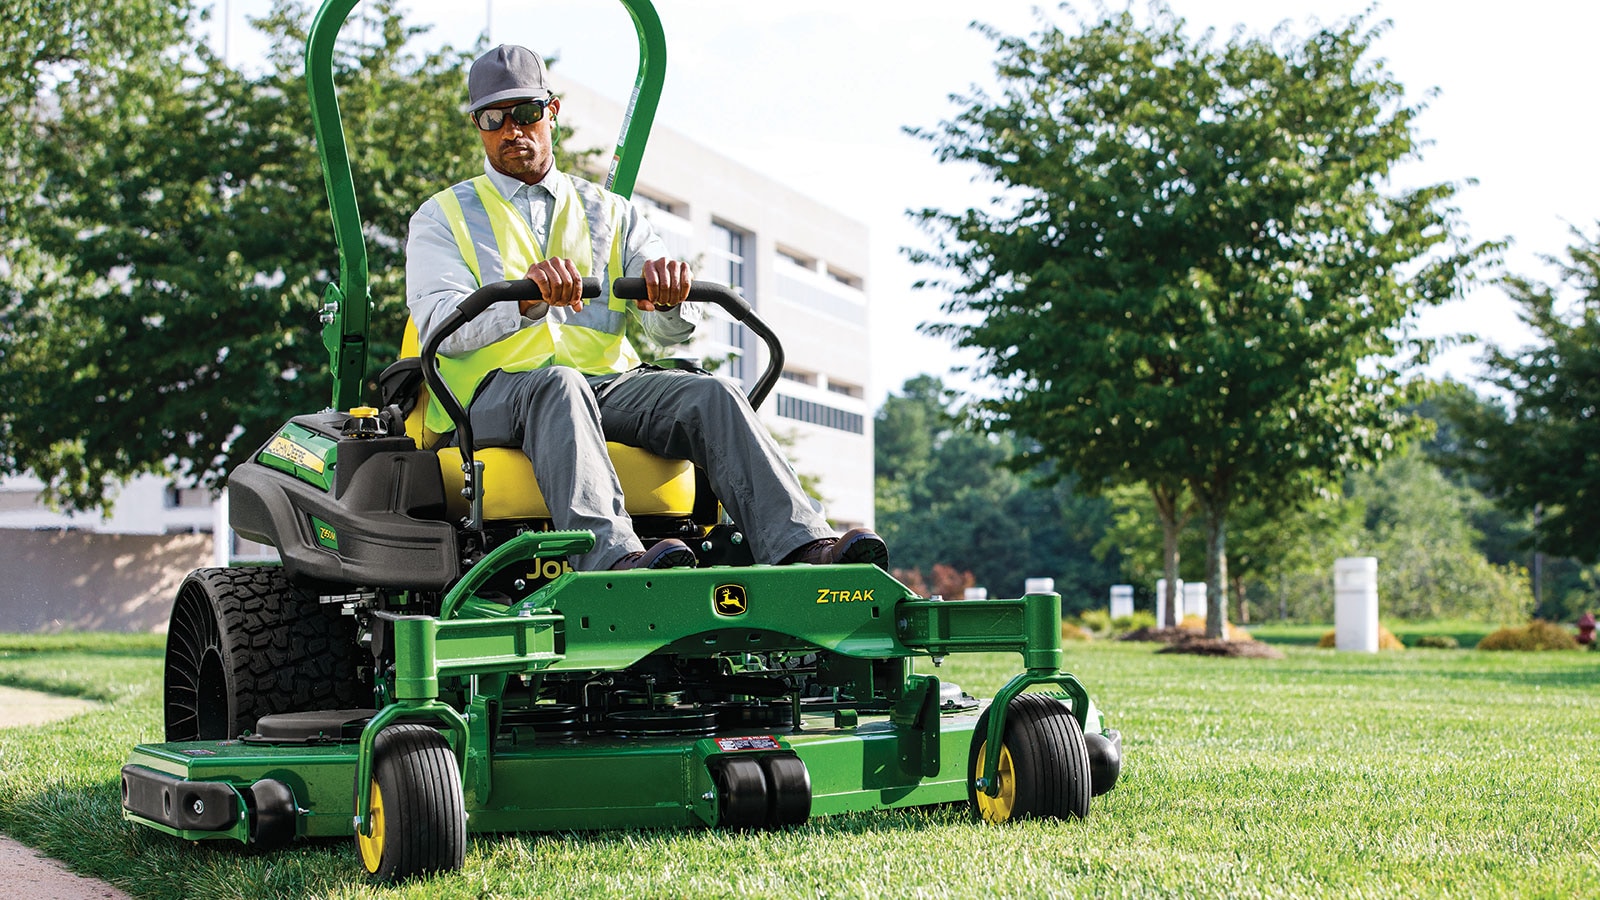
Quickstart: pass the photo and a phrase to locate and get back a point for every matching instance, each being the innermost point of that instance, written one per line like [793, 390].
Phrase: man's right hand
[559, 281]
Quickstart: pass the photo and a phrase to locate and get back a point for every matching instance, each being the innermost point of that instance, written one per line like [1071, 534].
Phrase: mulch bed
[1180, 640]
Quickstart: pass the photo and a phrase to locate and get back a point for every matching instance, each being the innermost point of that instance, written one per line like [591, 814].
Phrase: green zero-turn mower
[424, 663]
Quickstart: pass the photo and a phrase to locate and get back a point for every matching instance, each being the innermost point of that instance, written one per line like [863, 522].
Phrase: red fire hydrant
[1586, 629]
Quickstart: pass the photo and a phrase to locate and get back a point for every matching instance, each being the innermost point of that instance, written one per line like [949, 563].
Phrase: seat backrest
[416, 429]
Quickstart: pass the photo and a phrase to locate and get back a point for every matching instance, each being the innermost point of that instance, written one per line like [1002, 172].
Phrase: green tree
[1418, 525]
[107, 48]
[947, 497]
[64, 41]
[1273, 554]
[1197, 272]
[176, 322]
[1537, 455]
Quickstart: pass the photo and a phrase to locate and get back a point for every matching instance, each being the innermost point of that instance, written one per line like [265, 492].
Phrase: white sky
[815, 95]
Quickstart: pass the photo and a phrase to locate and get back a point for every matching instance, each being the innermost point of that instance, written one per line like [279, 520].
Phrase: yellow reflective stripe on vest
[513, 234]
[593, 351]
[458, 228]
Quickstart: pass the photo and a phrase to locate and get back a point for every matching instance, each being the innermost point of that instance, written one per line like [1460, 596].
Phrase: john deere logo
[731, 600]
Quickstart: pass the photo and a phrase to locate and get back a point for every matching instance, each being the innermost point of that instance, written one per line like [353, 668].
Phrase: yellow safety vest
[591, 341]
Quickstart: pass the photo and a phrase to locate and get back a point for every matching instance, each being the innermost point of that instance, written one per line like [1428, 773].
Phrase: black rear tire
[1044, 764]
[419, 818]
[244, 643]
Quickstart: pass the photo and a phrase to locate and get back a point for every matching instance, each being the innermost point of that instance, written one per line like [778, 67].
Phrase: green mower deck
[875, 736]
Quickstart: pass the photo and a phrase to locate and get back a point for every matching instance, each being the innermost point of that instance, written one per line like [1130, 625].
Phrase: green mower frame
[407, 676]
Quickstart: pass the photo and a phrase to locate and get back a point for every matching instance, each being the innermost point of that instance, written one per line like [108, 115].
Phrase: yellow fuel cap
[363, 412]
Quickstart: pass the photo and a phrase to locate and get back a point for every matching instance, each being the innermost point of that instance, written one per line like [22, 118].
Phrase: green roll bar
[346, 312]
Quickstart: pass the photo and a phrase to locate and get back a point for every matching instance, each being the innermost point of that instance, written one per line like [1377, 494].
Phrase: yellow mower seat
[651, 485]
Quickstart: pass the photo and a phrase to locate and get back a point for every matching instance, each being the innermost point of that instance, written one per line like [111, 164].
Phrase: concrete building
[145, 505]
[88, 572]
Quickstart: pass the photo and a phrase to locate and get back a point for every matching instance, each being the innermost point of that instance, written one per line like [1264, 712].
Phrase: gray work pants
[556, 417]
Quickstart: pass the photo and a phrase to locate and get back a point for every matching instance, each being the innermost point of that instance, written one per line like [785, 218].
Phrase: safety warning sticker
[758, 742]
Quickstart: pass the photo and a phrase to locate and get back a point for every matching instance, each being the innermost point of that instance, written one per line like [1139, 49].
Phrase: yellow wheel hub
[371, 846]
[997, 808]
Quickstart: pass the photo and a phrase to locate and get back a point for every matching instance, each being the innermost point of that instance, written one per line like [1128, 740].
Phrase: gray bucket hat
[507, 72]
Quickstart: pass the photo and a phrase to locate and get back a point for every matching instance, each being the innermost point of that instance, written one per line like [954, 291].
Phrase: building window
[186, 498]
[670, 207]
[844, 278]
[795, 257]
[800, 377]
[820, 414]
[849, 390]
[729, 257]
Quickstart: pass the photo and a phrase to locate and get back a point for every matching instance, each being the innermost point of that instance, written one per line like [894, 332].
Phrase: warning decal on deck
[758, 742]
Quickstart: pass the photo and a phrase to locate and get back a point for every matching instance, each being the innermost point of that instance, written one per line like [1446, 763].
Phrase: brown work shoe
[858, 545]
[667, 554]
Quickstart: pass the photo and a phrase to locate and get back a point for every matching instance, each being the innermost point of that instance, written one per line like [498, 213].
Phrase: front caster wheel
[1043, 764]
[418, 822]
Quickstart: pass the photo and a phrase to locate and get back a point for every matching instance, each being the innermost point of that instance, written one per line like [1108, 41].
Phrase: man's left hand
[666, 283]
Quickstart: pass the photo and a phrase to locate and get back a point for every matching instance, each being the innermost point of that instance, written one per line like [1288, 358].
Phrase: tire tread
[282, 649]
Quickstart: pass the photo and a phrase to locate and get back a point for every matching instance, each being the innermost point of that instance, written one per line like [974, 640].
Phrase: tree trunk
[1216, 571]
[1169, 556]
[1244, 608]
[1171, 527]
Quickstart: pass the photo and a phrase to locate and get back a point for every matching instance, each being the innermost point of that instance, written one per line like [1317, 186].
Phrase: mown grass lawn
[1467, 634]
[1416, 773]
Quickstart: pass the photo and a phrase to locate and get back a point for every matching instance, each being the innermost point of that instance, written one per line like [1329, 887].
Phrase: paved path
[26, 872]
[19, 707]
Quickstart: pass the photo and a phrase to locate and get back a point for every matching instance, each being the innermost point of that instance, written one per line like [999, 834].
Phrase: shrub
[1232, 632]
[1386, 640]
[1536, 635]
[1438, 642]
[1141, 619]
[1071, 632]
[1098, 622]
[1095, 620]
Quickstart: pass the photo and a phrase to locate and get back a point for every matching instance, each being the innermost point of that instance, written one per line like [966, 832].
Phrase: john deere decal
[731, 600]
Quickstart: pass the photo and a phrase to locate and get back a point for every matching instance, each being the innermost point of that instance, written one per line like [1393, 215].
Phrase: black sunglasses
[525, 113]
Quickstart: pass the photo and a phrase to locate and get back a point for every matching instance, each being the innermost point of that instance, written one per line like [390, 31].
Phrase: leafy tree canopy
[1538, 453]
[946, 497]
[1418, 525]
[1197, 269]
[169, 321]
[1407, 512]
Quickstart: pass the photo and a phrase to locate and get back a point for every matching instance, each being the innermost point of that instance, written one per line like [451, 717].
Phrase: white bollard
[1194, 599]
[1121, 601]
[221, 533]
[1355, 603]
[975, 593]
[1039, 586]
